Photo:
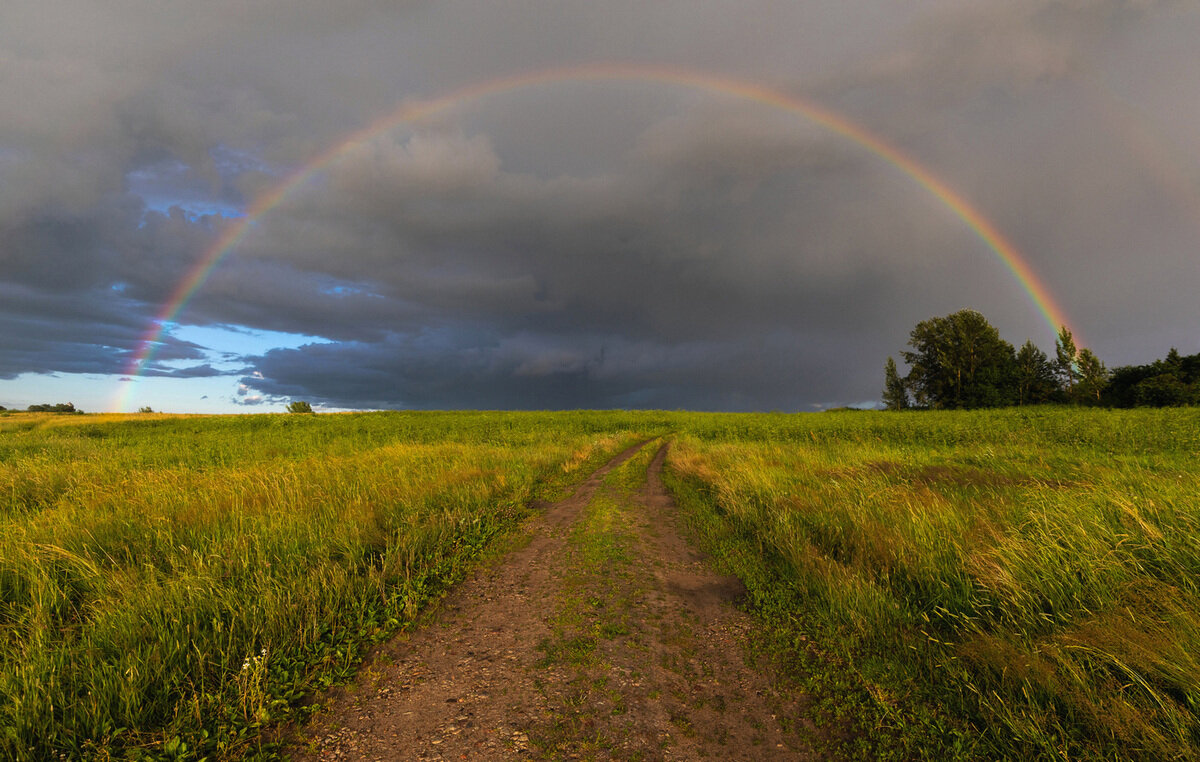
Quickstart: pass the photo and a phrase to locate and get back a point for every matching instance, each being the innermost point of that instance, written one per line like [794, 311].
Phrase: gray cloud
[546, 372]
[589, 244]
[192, 371]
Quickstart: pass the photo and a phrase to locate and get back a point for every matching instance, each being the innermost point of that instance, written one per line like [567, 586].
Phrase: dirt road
[604, 637]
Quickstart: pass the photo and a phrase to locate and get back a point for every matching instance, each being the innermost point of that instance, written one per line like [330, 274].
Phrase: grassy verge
[170, 585]
[1001, 585]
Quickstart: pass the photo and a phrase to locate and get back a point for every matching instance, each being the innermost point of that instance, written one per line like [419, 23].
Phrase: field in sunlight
[1021, 583]
[996, 584]
[169, 584]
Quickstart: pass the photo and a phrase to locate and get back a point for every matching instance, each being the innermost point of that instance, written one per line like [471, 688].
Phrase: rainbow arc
[1039, 294]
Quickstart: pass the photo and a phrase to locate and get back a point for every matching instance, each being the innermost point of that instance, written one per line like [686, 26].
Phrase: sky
[223, 207]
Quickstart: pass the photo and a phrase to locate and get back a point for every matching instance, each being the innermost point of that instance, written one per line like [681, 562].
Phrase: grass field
[1007, 584]
[170, 584]
[1012, 584]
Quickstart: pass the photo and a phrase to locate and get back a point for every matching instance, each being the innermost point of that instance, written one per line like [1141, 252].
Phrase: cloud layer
[589, 244]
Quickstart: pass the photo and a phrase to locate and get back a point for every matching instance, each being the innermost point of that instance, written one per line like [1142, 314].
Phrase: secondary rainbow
[1040, 295]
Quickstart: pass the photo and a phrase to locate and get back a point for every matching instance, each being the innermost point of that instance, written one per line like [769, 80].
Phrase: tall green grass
[1025, 583]
[1031, 575]
[168, 585]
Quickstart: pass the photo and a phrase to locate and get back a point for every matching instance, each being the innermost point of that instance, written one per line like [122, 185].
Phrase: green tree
[1035, 375]
[960, 361]
[1093, 377]
[1171, 381]
[299, 406]
[61, 407]
[1163, 390]
[1066, 361]
[1173, 360]
[895, 396]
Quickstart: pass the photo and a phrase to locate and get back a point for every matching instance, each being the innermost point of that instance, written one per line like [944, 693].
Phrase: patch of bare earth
[604, 637]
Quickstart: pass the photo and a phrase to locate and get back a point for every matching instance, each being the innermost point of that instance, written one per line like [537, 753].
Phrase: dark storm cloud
[80, 331]
[607, 244]
[80, 289]
[546, 372]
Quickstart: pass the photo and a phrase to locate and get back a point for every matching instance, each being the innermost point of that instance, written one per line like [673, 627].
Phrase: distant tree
[1035, 375]
[1164, 390]
[62, 407]
[895, 396]
[1093, 377]
[1170, 382]
[146, 409]
[299, 406]
[960, 361]
[1066, 361]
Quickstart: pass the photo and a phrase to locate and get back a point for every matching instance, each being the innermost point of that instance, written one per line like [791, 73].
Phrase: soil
[605, 636]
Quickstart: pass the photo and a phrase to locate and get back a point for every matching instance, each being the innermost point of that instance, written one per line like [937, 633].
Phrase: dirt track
[604, 637]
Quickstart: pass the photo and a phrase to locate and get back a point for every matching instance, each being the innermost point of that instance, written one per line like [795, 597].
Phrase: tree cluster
[960, 361]
[62, 407]
[1170, 382]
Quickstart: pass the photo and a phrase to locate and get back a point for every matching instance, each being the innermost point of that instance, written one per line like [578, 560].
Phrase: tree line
[960, 361]
[61, 407]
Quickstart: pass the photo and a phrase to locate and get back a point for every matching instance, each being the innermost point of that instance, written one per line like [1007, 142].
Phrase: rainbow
[411, 111]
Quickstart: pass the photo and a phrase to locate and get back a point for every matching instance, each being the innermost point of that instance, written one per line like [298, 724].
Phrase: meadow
[1021, 583]
[1014, 584]
[169, 585]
